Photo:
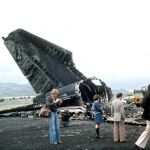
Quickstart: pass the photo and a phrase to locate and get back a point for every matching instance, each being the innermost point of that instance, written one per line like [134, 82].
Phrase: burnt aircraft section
[48, 66]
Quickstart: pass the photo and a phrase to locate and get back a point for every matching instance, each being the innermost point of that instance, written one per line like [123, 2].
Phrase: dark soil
[33, 134]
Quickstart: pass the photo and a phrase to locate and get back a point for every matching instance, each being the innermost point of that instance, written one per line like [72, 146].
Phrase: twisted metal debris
[48, 66]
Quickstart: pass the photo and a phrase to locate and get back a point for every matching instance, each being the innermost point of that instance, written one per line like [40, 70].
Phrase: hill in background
[124, 91]
[13, 89]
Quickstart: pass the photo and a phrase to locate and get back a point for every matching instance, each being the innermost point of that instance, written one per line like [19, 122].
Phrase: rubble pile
[132, 113]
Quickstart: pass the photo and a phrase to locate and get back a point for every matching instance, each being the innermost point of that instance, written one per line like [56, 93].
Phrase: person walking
[117, 110]
[143, 139]
[98, 118]
[52, 104]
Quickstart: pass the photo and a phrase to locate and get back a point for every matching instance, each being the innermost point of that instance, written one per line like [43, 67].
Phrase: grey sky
[109, 39]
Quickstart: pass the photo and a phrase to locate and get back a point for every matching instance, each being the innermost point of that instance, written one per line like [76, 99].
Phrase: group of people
[117, 111]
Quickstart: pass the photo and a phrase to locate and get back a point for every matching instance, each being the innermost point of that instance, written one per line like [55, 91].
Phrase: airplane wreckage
[48, 66]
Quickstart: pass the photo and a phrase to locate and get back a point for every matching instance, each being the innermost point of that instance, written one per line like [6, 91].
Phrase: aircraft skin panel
[30, 70]
[43, 63]
[48, 66]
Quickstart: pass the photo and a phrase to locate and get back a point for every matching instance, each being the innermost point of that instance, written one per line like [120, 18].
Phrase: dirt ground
[33, 134]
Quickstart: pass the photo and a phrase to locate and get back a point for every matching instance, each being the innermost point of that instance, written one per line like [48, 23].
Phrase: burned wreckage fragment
[48, 66]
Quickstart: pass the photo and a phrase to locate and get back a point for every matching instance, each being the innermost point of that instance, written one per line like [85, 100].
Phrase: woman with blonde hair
[52, 104]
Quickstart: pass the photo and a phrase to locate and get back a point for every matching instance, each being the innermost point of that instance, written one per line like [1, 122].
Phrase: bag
[117, 117]
[47, 112]
[44, 112]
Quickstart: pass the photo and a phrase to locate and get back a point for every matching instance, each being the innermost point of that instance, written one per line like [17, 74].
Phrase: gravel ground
[33, 134]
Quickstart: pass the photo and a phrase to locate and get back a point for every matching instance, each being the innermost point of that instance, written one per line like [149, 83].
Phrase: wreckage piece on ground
[48, 66]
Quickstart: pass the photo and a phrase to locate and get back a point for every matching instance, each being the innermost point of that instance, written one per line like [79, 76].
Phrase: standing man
[118, 116]
[52, 104]
[143, 139]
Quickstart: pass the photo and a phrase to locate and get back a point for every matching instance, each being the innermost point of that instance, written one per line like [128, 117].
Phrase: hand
[58, 101]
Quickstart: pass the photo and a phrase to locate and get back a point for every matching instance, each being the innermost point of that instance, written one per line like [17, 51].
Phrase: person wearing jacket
[143, 139]
[52, 104]
[117, 110]
[65, 118]
[98, 118]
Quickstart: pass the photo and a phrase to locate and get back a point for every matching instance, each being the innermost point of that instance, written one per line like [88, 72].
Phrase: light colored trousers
[54, 128]
[143, 139]
[119, 131]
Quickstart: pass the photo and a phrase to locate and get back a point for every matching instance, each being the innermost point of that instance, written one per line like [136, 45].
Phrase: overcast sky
[108, 39]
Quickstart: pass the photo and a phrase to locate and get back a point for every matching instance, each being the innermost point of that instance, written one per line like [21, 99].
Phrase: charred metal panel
[80, 93]
[48, 66]
[45, 64]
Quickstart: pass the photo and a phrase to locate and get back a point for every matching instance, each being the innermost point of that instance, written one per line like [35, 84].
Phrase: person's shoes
[97, 137]
[101, 137]
[55, 143]
[123, 141]
[138, 148]
[60, 142]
